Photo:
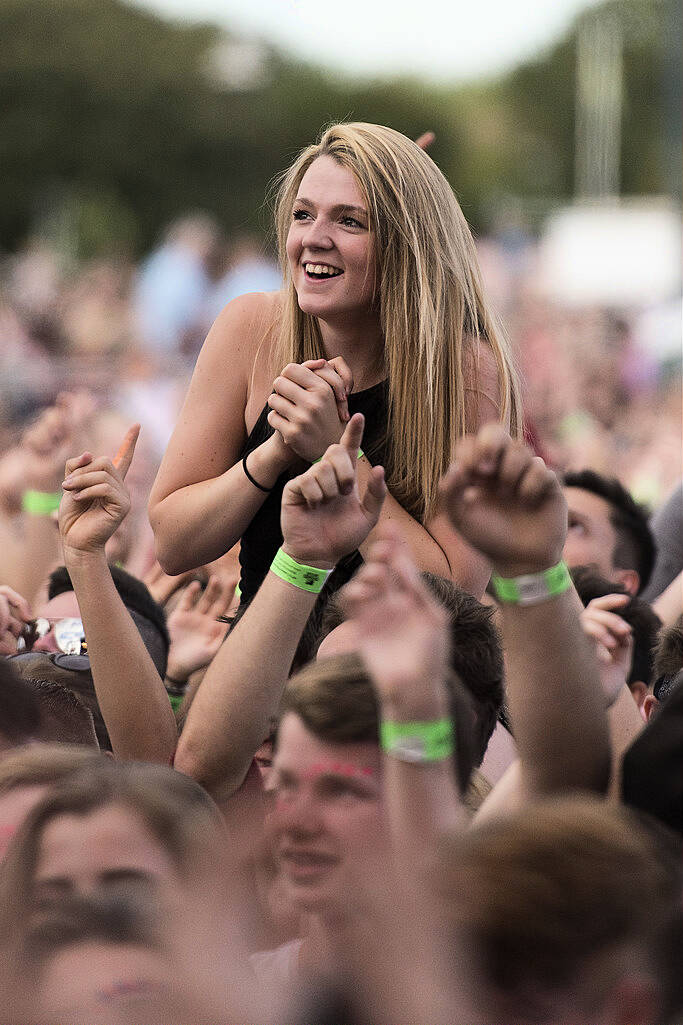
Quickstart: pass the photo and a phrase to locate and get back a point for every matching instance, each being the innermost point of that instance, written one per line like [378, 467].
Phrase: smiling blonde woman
[382, 312]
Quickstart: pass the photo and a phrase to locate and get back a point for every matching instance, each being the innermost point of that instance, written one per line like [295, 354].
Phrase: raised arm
[202, 500]
[130, 692]
[403, 639]
[509, 506]
[323, 519]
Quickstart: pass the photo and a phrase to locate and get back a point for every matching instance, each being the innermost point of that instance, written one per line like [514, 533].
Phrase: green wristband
[418, 741]
[40, 503]
[532, 588]
[308, 578]
[360, 453]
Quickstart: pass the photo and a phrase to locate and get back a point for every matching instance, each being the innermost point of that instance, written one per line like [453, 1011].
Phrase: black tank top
[263, 537]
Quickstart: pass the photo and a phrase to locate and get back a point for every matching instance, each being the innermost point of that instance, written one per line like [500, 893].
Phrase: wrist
[415, 700]
[530, 588]
[303, 576]
[76, 559]
[304, 559]
[272, 458]
[508, 569]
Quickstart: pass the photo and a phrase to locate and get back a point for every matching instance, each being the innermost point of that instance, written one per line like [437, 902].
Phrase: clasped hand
[309, 405]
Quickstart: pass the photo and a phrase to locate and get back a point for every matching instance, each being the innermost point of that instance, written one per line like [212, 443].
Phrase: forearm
[131, 695]
[422, 799]
[460, 563]
[555, 696]
[200, 522]
[240, 693]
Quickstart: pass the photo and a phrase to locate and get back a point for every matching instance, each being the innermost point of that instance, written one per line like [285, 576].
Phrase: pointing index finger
[353, 434]
[124, 456]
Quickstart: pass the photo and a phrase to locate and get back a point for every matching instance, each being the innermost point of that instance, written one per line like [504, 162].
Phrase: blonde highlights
[431, 304]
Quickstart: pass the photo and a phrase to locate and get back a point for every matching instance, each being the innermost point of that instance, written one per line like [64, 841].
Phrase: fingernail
[67, 480]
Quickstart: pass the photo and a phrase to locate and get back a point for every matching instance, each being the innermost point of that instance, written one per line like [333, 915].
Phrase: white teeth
[320, 268]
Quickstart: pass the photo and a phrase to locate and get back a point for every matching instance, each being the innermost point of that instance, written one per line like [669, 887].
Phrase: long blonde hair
[431, 303]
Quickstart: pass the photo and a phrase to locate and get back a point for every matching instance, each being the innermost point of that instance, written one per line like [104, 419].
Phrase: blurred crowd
[455, 811]
[598, 388]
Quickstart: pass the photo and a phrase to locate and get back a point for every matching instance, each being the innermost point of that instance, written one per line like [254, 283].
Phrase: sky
[436, 39]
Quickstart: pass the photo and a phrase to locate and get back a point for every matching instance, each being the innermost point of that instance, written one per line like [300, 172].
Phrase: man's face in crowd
[591, 538]
[327, 824]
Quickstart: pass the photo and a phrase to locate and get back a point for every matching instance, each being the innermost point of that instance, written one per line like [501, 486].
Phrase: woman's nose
[318, 234]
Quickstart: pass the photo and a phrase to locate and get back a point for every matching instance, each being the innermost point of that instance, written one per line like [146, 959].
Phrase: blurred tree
[123, 120]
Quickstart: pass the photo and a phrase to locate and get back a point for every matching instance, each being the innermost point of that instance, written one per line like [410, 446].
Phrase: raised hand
[38, 460]
[15, 613]
[163, 586]
[194, 628]
[323, 516]
[505, 502]
[425, 140]
[307, 407]
[613, 640]
[95, 497]
[402, 631]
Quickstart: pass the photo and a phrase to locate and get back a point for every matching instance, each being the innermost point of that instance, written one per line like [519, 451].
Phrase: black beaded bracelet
[249, 476]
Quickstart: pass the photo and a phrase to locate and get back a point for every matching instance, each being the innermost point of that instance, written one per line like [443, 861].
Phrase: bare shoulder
[242, 327]
[211, 429]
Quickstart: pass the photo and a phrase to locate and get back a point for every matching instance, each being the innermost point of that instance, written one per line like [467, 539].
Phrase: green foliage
[112, 116]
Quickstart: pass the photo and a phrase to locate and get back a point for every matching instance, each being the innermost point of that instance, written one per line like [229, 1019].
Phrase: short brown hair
[545, 896]
[336, 701]
[476, 652]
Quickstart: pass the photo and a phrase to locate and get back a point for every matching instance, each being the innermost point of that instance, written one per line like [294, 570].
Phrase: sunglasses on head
[69, 634]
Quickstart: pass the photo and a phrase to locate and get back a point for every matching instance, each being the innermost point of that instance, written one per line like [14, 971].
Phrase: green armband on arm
[532, 588]
[418, 741]
[40, 503]
[307, 578]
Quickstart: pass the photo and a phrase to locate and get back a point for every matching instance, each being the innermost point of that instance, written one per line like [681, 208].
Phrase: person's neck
[326, 940]
[361, 344]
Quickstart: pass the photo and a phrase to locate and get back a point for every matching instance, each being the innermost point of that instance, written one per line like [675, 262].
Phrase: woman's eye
[298, 215]
[351, 222]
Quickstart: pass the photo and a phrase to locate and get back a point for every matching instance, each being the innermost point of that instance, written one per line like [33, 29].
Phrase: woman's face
[330, 246]
[94, 854]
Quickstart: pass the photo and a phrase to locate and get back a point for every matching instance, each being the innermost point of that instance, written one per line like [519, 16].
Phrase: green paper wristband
[40, 503]
[418, 741]
[307, 578]
[532, 588]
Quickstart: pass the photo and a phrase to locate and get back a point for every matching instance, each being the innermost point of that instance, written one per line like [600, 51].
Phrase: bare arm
[510, 506]
[323, 518]
[130, 692]
[403, 639]
[202, 501]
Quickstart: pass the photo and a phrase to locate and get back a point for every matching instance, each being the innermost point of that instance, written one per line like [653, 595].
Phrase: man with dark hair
[608, 529]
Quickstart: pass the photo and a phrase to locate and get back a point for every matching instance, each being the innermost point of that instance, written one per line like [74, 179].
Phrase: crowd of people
[343, 680]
